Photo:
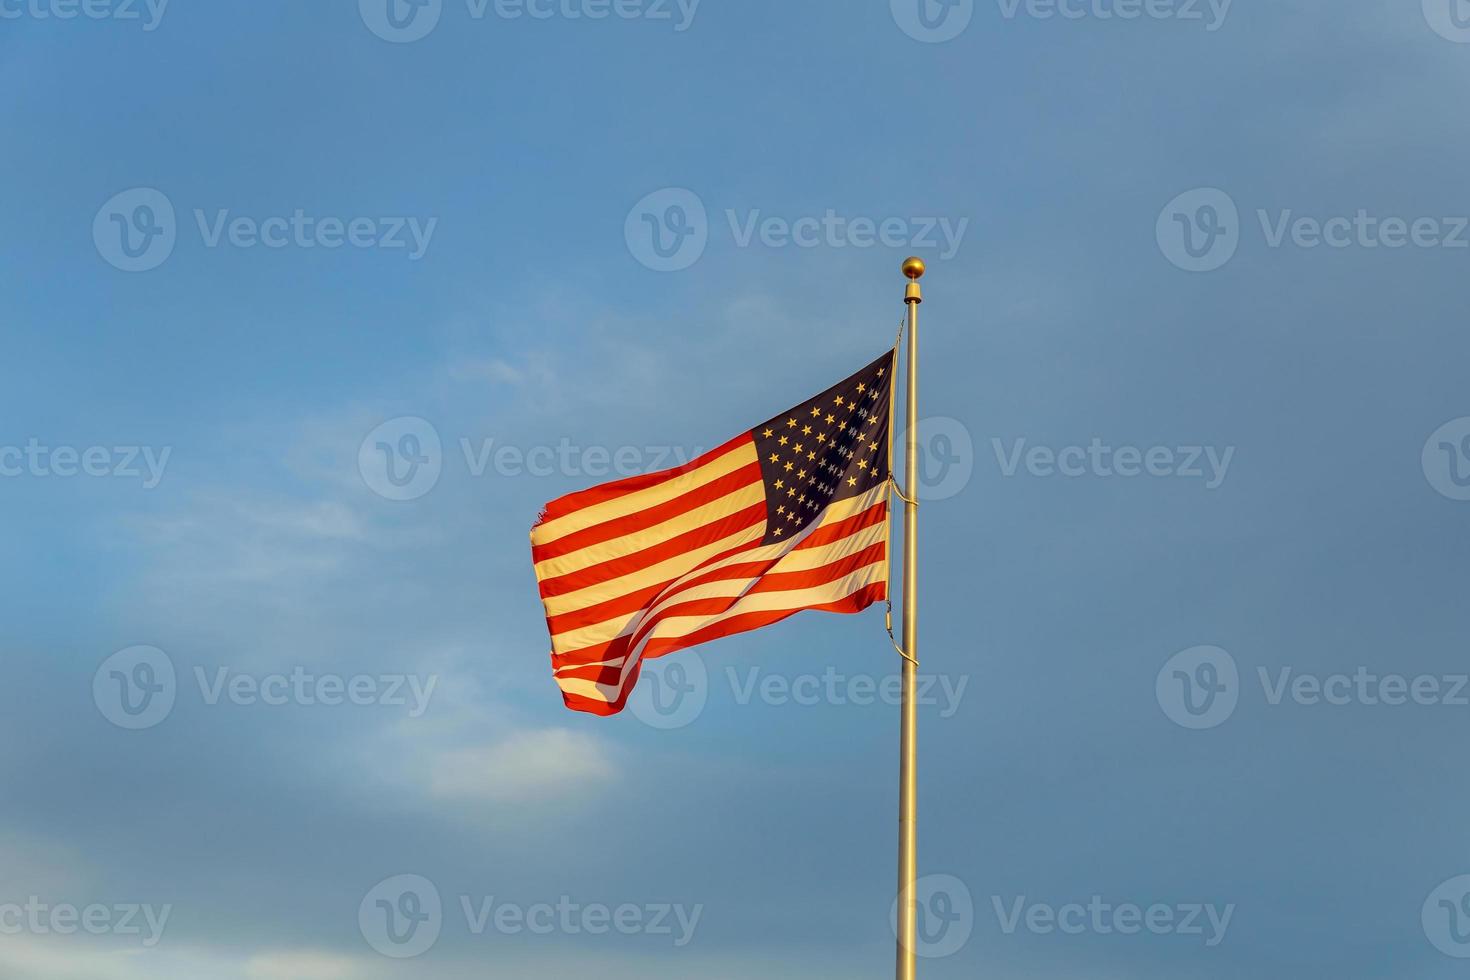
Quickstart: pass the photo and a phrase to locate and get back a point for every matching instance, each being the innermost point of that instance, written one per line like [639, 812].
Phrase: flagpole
[908, 766]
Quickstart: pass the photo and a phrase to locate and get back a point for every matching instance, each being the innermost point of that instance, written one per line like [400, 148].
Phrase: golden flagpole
[908, 764]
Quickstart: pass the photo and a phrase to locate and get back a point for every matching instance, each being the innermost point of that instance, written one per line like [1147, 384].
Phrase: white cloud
[26, 958]
[301, 966]
[528, 766]
[325, 519]
[245, 539]
[493, 369]
[73, 958]
[36, 866]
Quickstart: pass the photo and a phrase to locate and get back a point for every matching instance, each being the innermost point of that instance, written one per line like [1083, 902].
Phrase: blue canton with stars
[829, 448]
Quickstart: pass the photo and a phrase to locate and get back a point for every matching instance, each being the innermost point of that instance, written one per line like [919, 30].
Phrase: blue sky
[1220, 248]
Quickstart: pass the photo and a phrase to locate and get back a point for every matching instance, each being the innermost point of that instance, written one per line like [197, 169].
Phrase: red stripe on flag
[644, 519]
[857, 602]
[772, 582]
[573, 502]
[652, 555]
[626, 605]
[632, 603]
[825, 534]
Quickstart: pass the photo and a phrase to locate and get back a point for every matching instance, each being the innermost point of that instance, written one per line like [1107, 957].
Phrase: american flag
[790, 515]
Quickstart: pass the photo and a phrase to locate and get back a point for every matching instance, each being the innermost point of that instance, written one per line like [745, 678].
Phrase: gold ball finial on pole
[913, 268]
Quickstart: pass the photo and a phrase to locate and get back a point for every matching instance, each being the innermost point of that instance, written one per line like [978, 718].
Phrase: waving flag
[790, 515]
